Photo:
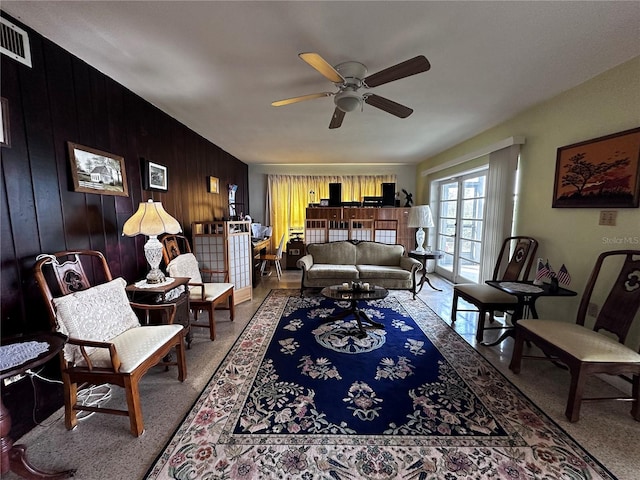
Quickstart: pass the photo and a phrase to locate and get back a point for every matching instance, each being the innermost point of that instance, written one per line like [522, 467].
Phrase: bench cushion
[580, 342]
[486, 293]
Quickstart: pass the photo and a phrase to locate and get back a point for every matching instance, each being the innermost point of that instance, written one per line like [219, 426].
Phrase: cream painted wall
[606, 104]
[258, 178]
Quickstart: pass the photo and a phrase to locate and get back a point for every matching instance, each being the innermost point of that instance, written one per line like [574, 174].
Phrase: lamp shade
[420, 216]
[150, 219]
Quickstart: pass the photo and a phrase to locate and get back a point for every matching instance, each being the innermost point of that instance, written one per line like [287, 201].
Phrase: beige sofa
[351, 260]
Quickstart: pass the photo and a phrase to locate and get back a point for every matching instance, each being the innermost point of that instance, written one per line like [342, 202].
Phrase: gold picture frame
[214, 184]
[95, 171]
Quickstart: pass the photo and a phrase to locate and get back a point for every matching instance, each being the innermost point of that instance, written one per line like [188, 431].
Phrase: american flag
[542, 271]
[550, 272]
[563, 275]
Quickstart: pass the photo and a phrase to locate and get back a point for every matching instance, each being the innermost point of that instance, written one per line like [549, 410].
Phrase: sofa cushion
[372, 253]
[336, 253]
[337, 272]
[376, 271]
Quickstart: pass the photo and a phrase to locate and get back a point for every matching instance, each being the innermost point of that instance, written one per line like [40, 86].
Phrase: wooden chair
[488, 299]
[203, 296]
[273, 257]
[106, 342]
[587, 351]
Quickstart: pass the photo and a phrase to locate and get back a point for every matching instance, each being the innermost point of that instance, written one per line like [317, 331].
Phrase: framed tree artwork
[599, 173]
[95, 171]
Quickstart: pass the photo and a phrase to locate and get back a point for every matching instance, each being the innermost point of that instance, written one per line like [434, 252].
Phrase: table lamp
[152, 220]
[420, 217]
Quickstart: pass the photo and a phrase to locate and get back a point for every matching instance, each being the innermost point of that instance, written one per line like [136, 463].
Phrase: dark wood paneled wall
[64, 99]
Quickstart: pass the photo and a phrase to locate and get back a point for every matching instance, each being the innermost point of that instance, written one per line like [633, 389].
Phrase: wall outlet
[592, 309]
[9, 380]
[608, 217]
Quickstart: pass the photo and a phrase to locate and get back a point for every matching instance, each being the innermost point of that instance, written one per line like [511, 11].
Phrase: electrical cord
[92, 396]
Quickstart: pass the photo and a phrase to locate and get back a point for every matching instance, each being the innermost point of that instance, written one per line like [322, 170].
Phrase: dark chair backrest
[67, 274]
[174, 245]
[523, 250]
[623, 301]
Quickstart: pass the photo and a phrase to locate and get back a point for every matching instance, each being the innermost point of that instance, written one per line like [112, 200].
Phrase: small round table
[423, 257]
[337, 292]
[14, 456]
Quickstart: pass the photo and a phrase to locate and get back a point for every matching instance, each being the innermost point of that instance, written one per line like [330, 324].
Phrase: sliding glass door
[459, 227]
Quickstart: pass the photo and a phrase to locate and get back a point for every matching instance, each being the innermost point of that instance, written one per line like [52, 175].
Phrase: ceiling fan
[350, 77]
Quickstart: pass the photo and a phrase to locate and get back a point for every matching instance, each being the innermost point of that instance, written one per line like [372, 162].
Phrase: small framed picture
[5, 137]
[214, 185]
[324, 202]
[95, 171]
[154, 176]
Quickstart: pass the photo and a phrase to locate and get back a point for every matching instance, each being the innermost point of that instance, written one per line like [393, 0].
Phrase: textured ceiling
[217, 66]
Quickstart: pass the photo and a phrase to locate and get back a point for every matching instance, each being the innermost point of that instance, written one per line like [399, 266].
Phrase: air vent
[14, 42]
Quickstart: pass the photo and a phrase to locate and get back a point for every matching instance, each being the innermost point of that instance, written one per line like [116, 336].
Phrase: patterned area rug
[296, 398]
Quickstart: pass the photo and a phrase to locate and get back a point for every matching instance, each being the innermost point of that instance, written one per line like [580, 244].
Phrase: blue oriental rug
[296, 398]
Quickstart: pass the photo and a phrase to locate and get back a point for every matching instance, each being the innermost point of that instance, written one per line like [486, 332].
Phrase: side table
[423, 257]
[14, 456]
[164, 294]
[527, 293]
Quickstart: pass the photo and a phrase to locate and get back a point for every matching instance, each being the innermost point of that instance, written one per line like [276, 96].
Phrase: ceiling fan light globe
[348, 101]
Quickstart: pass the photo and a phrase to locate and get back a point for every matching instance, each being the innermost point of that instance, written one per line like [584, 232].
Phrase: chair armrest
[169, 307]
[211, 272]
[200, 286]
[113, 354]
[410, 264]
[305, 263]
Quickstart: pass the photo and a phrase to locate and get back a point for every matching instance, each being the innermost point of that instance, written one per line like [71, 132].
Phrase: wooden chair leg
[454, 308]
[70, 400]
[133, 405]
[576, 389]
[212, 321]
[635, 404]
[232, 306]
[181, 359]
[480, 331]
[516, 356]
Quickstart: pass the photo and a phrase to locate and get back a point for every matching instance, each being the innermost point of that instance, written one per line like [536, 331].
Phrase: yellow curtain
[289, 195]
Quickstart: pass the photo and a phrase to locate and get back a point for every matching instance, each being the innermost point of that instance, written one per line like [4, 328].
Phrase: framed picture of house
[599, 173]
[154, 176]
[95, 171]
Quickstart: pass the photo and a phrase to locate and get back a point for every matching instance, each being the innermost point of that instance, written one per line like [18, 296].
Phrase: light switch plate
[608, 217]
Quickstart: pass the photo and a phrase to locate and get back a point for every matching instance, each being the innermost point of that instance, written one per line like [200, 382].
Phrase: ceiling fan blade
[289, 101]
[322, 66]
[388, 106]
[407, 68]
[336, 120]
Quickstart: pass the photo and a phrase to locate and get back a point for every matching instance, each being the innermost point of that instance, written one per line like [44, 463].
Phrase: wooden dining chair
[274, 258]
[106, 342]
[587, 351]
[487, 299]
[203, 296]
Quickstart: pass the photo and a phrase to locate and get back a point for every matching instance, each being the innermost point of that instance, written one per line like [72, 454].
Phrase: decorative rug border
[271, 309]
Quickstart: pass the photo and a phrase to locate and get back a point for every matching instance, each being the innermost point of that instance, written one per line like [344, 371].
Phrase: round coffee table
[337, 292]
